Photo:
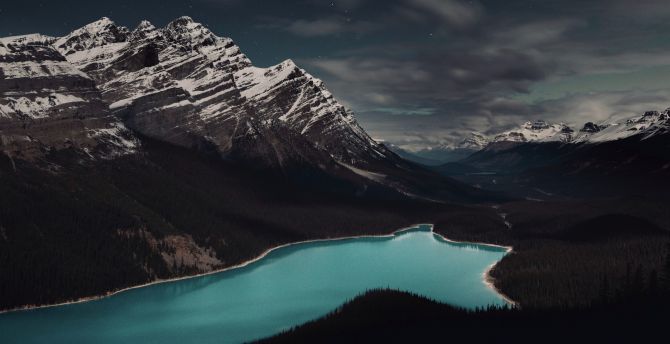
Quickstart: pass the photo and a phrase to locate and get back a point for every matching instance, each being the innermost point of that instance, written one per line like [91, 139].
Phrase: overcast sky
[423, 72]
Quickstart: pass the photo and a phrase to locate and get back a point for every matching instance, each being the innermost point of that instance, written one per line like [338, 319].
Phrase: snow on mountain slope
[98, 34]
[47, 103]
[475, 141]
[184, 84]
[536, 131]
[649, 124]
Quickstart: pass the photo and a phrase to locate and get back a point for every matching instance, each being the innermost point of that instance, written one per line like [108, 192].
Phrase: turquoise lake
[290, 286]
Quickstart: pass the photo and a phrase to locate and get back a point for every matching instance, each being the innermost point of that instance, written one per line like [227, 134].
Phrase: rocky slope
[46, 104]
[475, 141]
[537, 131]
[648, 124]
[184, 84]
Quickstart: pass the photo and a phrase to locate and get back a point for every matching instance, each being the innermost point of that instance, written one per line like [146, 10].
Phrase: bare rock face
[591, 127]
[184, 84]
[48, 104]
[96, 34]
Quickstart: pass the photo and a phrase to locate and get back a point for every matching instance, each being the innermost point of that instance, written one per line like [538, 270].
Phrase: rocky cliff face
[47, 104]
[184, 84]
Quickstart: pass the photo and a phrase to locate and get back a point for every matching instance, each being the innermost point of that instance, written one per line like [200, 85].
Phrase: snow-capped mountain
[633, 148]
[475, 141]
[648, 124]
[531, 131]
[48, 104]
[185, 84]
[536, 131]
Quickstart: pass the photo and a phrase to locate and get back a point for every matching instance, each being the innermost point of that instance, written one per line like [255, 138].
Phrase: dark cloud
[454, 13]
[325, 26]
[482, 76]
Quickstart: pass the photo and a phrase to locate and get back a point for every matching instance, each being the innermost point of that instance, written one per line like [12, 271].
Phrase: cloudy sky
[423, 72]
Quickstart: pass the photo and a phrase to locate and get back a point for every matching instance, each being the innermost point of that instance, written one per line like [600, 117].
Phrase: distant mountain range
[648, 124]
[541, 160]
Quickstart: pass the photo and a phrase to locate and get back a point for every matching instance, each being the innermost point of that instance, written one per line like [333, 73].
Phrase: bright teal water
[290, 286]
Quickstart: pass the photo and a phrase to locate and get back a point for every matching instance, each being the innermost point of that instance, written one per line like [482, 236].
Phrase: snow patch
[377, 177]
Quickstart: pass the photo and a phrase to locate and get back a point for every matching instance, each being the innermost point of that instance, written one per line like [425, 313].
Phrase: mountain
[475, 141]
[543, 141]
[48, 104]
[651, 122]
[185, 84]
[539, 130]
[648, 124]
[531, 131]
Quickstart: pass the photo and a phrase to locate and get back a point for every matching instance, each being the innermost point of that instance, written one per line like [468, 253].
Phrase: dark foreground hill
[387, 316]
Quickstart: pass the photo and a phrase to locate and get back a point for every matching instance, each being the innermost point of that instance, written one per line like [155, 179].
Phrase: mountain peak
[144, 30]
[189, 33]
[99, 25]
[182, 21]
[475, 141]
[144, 25]
[103, 21]
[538, 130]
[29, 39]
[288, 63]
[98, 33]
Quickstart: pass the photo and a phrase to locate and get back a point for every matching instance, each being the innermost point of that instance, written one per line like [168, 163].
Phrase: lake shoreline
[487, 279]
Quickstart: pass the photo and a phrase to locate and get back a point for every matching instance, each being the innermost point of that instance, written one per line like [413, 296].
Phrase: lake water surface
[288, 287]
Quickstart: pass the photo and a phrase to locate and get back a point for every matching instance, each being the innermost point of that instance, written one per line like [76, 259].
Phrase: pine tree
[665, 274]
[653, 283]
[604, 290]
[637, 284]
